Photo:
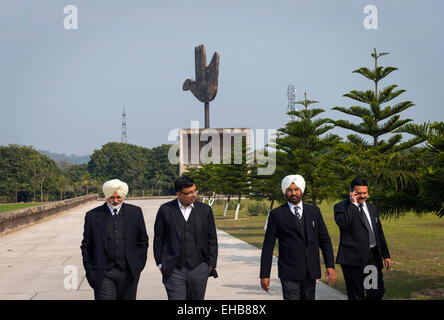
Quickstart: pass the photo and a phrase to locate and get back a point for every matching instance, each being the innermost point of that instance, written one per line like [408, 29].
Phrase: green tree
[206, 179]
[160, 168]
[265, 186]
[235, 178]
[17, 164]
[372, 116]
[74, 174]
[61, 184]
[122, 161]
[390, 166]
[24, 172]
[302, 146]
[392, 177]
[47, 174]
[142, 168]
[430, 197]
[75, 171]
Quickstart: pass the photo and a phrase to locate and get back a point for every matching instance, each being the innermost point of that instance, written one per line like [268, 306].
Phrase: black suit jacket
[282, 226]
[167, 235]
[354, 239]
[94, 244]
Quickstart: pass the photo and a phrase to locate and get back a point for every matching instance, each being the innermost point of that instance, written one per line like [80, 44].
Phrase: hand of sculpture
[204, 88]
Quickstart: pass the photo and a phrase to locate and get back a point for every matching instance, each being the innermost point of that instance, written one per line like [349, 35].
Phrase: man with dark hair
[362, 245]
[185, 243]
[301, 232]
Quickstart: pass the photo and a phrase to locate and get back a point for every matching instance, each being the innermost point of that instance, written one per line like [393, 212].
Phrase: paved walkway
[36, 261]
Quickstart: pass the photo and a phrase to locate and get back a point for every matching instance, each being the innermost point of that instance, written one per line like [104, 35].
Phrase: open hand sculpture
[204, 87]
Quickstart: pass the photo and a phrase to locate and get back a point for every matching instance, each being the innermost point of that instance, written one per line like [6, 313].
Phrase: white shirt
[185, 211]
[292, 208]
[186, 214]
[112, 209]
[367, 214]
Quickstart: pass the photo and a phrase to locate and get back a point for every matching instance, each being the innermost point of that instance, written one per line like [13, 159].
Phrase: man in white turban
[115, 192]
[114, 245]
[296, 179]
[301, 231]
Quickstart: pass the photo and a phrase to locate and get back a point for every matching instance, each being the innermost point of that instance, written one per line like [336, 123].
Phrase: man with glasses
[114, 245]
[362, 245]
[185, 243]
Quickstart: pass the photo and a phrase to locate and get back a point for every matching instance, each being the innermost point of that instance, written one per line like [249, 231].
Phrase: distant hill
[72, 158]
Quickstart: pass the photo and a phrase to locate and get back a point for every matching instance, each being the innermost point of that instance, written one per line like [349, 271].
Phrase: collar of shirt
[299, 205]
[185, 211]
[182, 208]
[112, 209]
[364, 205]
[367, 214]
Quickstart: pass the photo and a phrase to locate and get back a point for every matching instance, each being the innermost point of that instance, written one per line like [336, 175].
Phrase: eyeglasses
[189, 193]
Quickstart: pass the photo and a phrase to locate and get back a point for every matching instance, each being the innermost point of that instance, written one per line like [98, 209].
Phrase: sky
[63, 90]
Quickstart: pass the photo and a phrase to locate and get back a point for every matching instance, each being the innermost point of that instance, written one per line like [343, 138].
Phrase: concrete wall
[191, 142]
[11, 220]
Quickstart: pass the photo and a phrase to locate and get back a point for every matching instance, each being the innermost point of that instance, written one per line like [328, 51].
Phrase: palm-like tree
[431, 181]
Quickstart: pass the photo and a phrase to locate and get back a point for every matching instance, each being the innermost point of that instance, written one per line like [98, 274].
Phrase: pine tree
[265, 187]
[373, 116]
[390, 166]
[302, 147]
[206, 179]
[235, 177]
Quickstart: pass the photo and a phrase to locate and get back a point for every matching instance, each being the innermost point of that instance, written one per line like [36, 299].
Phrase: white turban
[115, 185]
[296, 179]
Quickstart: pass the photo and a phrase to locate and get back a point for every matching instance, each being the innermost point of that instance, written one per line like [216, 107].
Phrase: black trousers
[118, 284]
[304, 289]
[187, 283]
[356, 279]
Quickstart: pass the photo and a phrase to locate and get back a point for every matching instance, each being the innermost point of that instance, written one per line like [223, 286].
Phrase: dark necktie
[115, 211]
[298, 214]
[367, 225]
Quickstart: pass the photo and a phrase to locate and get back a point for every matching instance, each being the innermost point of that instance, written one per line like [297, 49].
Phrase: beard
[294, 199]
[115, 205]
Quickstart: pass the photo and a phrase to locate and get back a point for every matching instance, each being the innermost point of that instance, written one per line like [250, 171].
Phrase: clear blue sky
[63, 90]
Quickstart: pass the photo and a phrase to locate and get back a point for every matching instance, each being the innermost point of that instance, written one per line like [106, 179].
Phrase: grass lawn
[415, 244]
[15, 206]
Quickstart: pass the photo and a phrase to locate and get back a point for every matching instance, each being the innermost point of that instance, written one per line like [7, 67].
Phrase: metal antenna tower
[291, 95]
[124, 138]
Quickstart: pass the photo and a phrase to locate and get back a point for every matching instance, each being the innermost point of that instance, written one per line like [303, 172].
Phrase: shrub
[220, 202]
[257, 208]
[232, 205]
